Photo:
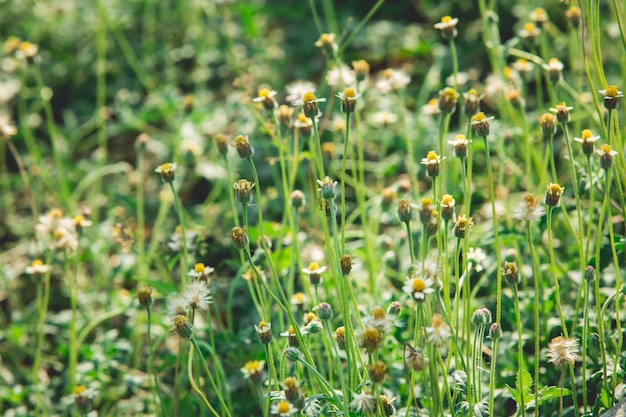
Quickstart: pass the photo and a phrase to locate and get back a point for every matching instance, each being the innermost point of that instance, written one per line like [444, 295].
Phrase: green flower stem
[553, 272]
[551, 158]
[181, 220]
[43, 298]
[222, 386]
[444, 123]
[520, 348]
[495, 233]
[492, 375]
[156, 391]
[410, 161]
[467, 190]
[585, 333]
[343, 186]
[323, 381]
[231, 191]
[142, 265]
[205, 365]
[195, 388]
[577, 197]
[335, 360]
[73, 355]
[346, 42]
[591, 204]
[410, 240]
[446, 272]
[537, 298]
[318, 158]
[574, 396]
[272, 368]
[455, 62]
[283, 170]
[101, 84]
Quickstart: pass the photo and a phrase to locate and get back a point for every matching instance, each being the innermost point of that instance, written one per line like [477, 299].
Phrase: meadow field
[277, 208]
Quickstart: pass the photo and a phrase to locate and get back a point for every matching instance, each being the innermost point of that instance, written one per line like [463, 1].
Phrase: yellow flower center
[478, 117]
[419, 285]
[199, 268]
[529, 27]
[540, 12]
[555, 189]
[388, 73]
[56, 213]
[37, 262]
[426, 202]
[586, 134]
[58, 234]
[253, 367]
[79, 219]
[25, 46]
[313, 266]
[553, 61]
[378, 313]
[290, 383]
[298, 298]
[432, 156]
[79, 389]
[349, 93]
[606, 149]
[264, 92]
[308, 97]
[166, 167]
[446, 19]
[283, 407]
[371, 335]
[508, 72]
[309, 317]
[340, 332]
[447, 200]
[472, 92]
[611, 91]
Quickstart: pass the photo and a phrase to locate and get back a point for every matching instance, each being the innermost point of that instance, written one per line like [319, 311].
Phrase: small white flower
[283, 409]
[200, 271]
[383, 118]
[252, 369]
[340, 76]
[363, 402]
[177, 305]
[562, 351]
[37, 268]
[197, 295]
[392, 80]
[476, 256]
[417, 287]
[297, 89]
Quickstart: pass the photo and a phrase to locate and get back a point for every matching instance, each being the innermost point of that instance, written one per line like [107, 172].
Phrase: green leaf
[551, 392]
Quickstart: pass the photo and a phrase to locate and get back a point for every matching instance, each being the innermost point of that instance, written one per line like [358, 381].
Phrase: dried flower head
[439, 331]
[553, 194]
[144, 296]
[377, 372]
[243, 147]
[418, 288]
[462, 226]
[547, 121]
[606, 156]
[340, 337]
[413, 358]
[167, 171]
[587, 139]
[611, 96]
[243, 191]
[529, 209]
[371, 338]
[363, 403]
[480, 124]
[562, 351]
[447, 26]
[561, 111]
[511, 273]
[448, 98]
[197, 295]
[346, 264]
[182, 327]
[405, 211]
[239, 237]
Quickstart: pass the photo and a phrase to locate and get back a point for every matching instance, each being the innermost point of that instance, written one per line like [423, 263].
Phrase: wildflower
[325, 311]
[539, 16]
[523, 65]
[297, 89]
[459, 144]
[327, 188]
[37, 267]
[529, 32]
[587, 139]
[462, 226]
[327, 42]
[392, 80]
[64, 239]
[221, 141]
[239, 237]
[328, 150]
[417, 287]
[431, 108]
[439, 331]
[243, 147]
[590, 273]
[304, 125]
[267, 97]
[200, 272]
[27, 50]
[606, 156]
[167, 171]
[432, 162]
[511, 273]
[182, 327]
[298, 199]
[284, 114]
[480, 124]
[413, 358]
[314, 271]
[298, 300]
[495, 331]
[348, 99]
[340, 337]
[447, 207]
[83, 398]
[283, 409]
[394, 309]
[433, 225]
[405, 211]
[253, 370]
[447, 26]
[562, 351]
[388, 407]
[547, 121]
[243, 191]
[448, 98]
[292, 353]
[80, 223]
[562, 112]
[515, 98]
[426, 210]
[7, 129]
[339, 76]
[346, 264]
[554, 68]
[177, 306]
[471, 102]
[481, 317]
[309, 104]
[377, 372]
[264, 331]
[361, 69]
[144, 296]
[378, 319]
[363, 403]
[611, 96]
[197, 295]
[529, 209]
[573, 15]
[371, 338]
[475, 257]
[290, 334]
[553, 195]
[292, 390]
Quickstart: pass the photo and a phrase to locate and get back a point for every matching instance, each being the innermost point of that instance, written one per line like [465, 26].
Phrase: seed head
[346, 264]
[370, 339]
[243, 191]
[413, 358]
[239, 236]
[377, 372]
[548, 125]
[183, 327]
[562, 352]
[405, 211]
[511, 274]
[462, 226]
[144, 295]
[448, 98]
[243, 147]
[553, 195]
